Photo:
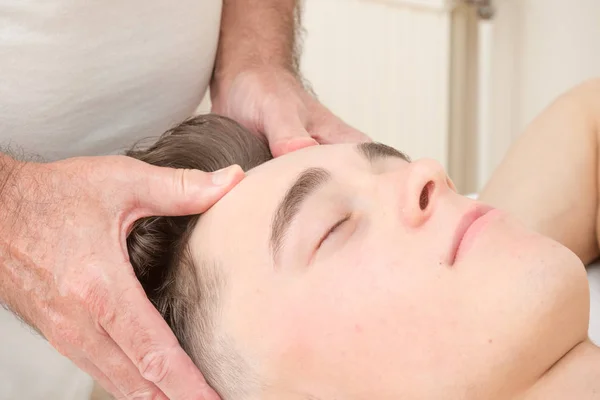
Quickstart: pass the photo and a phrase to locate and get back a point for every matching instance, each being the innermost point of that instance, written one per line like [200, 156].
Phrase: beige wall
[540, 48]
[384, 68]
[403, 71]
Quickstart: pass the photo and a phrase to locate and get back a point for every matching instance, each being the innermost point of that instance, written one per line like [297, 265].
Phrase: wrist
[257, 35]
[224, 76]
[265, 74]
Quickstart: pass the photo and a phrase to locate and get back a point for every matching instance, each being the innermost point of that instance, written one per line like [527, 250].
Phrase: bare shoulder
[549, 177]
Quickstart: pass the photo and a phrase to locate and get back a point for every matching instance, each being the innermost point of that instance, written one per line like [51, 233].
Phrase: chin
[559, 276]
[538, 297]
[558, 303]
[570, 288]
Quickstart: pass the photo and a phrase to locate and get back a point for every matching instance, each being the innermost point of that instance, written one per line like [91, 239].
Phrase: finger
[146, 339]
[118, 369]
[98, 376]
[167, 191]
[286, 146]
[286, 132]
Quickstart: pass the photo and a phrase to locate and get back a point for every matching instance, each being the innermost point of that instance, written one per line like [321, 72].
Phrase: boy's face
[374, 279]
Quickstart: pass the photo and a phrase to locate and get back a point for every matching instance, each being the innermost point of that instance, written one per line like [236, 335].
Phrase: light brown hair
[185, 293]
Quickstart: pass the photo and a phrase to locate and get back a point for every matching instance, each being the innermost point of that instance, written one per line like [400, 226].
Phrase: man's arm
[549, 178]
[257, 34]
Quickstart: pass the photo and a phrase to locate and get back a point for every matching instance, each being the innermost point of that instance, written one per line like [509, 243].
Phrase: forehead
[239, 224]
[269, 182]
[326, 156]
[238, 227]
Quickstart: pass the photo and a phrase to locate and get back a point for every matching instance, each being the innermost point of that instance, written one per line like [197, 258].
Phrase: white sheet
[594, 278]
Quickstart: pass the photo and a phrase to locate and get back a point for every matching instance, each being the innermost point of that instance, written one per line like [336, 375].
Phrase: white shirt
[91, 77]
[88, 77]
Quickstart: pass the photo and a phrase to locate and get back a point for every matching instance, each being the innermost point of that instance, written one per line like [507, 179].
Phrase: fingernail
[224, 176]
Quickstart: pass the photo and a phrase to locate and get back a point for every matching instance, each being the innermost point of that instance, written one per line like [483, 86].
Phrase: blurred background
[455, 80]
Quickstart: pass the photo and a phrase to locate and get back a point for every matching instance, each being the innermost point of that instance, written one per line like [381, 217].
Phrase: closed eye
[333, 229]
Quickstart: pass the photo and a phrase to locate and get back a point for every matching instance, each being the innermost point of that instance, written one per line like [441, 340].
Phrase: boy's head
[347, 271]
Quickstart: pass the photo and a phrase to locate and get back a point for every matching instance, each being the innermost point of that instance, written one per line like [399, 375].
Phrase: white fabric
[82, 77]
[594, 279]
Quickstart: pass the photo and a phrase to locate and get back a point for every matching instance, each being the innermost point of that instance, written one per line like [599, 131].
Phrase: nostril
[425, 193]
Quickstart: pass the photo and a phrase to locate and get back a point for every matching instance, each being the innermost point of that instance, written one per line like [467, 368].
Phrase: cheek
[360, 314]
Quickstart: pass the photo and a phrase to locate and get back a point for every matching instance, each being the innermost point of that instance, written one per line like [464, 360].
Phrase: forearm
[549, 177]
[256, 34]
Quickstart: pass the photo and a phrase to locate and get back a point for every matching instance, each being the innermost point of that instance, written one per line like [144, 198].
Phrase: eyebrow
[373, 151]
[308, 182]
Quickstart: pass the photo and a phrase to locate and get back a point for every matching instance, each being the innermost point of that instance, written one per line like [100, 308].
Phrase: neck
[575, 376]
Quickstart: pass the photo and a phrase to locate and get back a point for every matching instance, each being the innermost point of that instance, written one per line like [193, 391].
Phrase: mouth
[464, 230]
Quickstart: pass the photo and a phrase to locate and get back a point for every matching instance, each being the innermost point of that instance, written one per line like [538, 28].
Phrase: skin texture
[64, 267]
[380, 309]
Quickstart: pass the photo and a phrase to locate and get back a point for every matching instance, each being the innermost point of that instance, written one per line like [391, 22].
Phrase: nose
[426, 183]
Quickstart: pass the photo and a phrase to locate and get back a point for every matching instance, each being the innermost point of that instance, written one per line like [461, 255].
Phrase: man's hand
[64, 265]
[272, 102]
[256, 80]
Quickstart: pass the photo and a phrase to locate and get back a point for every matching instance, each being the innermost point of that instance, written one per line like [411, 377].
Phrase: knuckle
[118, 309]
[106, 318]
[92, 294]
[186, 191]
[83, 289]
[154, 366]
[179, 180]
[98, 301]
[105, 310]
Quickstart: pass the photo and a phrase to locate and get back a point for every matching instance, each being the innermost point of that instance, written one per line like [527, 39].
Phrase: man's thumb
[172, 192]
[286, 131]
[288, 144]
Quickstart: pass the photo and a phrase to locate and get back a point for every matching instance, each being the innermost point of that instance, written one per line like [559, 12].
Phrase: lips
[463, 229]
